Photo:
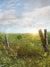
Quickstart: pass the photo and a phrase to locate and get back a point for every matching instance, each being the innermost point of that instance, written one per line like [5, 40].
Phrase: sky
[24, 16]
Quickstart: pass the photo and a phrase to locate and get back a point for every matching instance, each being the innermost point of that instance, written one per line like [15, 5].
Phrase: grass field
[25, 50]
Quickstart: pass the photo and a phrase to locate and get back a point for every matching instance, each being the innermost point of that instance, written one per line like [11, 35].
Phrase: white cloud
[10, 1]
[18, 4]
[0, 10]
[10, 5]
[30, 5]
[34, 19]
[38, 17]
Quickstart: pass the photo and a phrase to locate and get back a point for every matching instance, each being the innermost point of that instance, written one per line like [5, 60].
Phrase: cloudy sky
[24, 16]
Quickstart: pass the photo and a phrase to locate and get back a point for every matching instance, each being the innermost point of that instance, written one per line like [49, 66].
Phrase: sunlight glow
[35, 31]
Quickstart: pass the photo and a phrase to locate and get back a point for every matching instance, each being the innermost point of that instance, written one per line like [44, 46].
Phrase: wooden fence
[44, 39]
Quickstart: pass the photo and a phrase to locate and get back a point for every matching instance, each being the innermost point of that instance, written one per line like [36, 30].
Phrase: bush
[2, 38]
[19, 37]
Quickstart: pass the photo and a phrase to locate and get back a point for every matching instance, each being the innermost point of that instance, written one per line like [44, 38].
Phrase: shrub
[2, 38]
[19, 37]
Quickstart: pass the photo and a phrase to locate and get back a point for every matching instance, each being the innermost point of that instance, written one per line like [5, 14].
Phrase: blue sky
[24, 16]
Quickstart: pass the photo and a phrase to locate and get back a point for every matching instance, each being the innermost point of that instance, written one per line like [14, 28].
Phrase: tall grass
[25, 50]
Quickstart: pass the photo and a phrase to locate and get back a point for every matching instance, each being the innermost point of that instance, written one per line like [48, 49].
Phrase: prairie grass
[25, 50]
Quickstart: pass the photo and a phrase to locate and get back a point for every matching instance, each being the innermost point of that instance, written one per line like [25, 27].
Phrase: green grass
[25, 50]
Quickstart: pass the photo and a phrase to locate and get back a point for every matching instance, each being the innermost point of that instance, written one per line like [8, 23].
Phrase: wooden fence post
[43, 39]
[46, 37]
[7, 42]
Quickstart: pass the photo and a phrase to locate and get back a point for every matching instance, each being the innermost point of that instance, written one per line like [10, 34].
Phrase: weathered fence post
[44, 39]
[45, 36]
[7, 42]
